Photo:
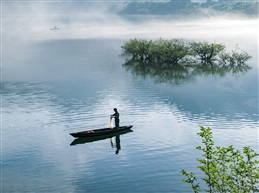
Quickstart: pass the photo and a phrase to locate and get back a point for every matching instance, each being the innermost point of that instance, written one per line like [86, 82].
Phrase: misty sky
[98, 20]
[27, 23]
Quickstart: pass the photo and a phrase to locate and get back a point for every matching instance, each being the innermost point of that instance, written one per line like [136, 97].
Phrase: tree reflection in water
[180, 74]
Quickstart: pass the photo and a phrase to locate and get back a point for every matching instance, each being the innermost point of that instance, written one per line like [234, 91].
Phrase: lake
[57, 84]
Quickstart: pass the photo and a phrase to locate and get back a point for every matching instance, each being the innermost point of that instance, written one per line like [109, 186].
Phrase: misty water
[57, 82]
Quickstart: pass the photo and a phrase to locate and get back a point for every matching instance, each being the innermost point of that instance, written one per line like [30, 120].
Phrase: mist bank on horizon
[111, 26]
[27, 24]
[93, 20]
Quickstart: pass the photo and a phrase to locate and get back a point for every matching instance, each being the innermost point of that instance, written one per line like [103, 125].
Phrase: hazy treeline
[179, 60]
[186, 7]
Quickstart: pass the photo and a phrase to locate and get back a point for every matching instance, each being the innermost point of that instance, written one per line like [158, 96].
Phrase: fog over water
[27, 24]
[96, 20]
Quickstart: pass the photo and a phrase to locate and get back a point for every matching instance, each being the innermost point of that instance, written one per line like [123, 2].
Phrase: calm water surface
[66, 86]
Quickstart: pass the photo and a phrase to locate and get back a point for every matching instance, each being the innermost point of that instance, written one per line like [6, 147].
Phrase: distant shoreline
[185, 8]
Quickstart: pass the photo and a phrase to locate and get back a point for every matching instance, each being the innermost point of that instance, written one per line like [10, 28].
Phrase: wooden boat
[84, 140]
[99, 132]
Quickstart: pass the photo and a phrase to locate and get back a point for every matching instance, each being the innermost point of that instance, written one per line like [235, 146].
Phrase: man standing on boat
[116, 116]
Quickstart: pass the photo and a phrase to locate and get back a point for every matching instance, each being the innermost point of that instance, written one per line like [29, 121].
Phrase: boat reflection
[98, 138]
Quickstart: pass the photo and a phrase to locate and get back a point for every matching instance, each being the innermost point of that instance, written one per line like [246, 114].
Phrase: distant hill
[187, 8]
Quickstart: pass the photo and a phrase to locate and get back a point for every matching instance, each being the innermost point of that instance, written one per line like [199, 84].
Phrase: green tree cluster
[205, 51]
[178, 60]
[173, 52]
[224, 169]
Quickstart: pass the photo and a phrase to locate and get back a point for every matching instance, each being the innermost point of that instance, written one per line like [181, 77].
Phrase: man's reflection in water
[118, 144]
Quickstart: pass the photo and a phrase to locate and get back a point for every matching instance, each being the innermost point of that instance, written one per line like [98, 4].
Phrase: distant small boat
[100, 132]
[54, 28]
[84, 140]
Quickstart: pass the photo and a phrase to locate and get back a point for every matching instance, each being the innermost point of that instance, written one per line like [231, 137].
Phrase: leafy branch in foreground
[225, 169]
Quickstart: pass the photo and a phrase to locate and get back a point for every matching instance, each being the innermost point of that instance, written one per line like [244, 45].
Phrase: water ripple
[37, 119]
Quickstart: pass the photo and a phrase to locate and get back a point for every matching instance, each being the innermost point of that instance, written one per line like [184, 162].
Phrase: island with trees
[179, 60]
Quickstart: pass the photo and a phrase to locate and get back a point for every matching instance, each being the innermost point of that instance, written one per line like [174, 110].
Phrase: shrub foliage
[224, 169]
